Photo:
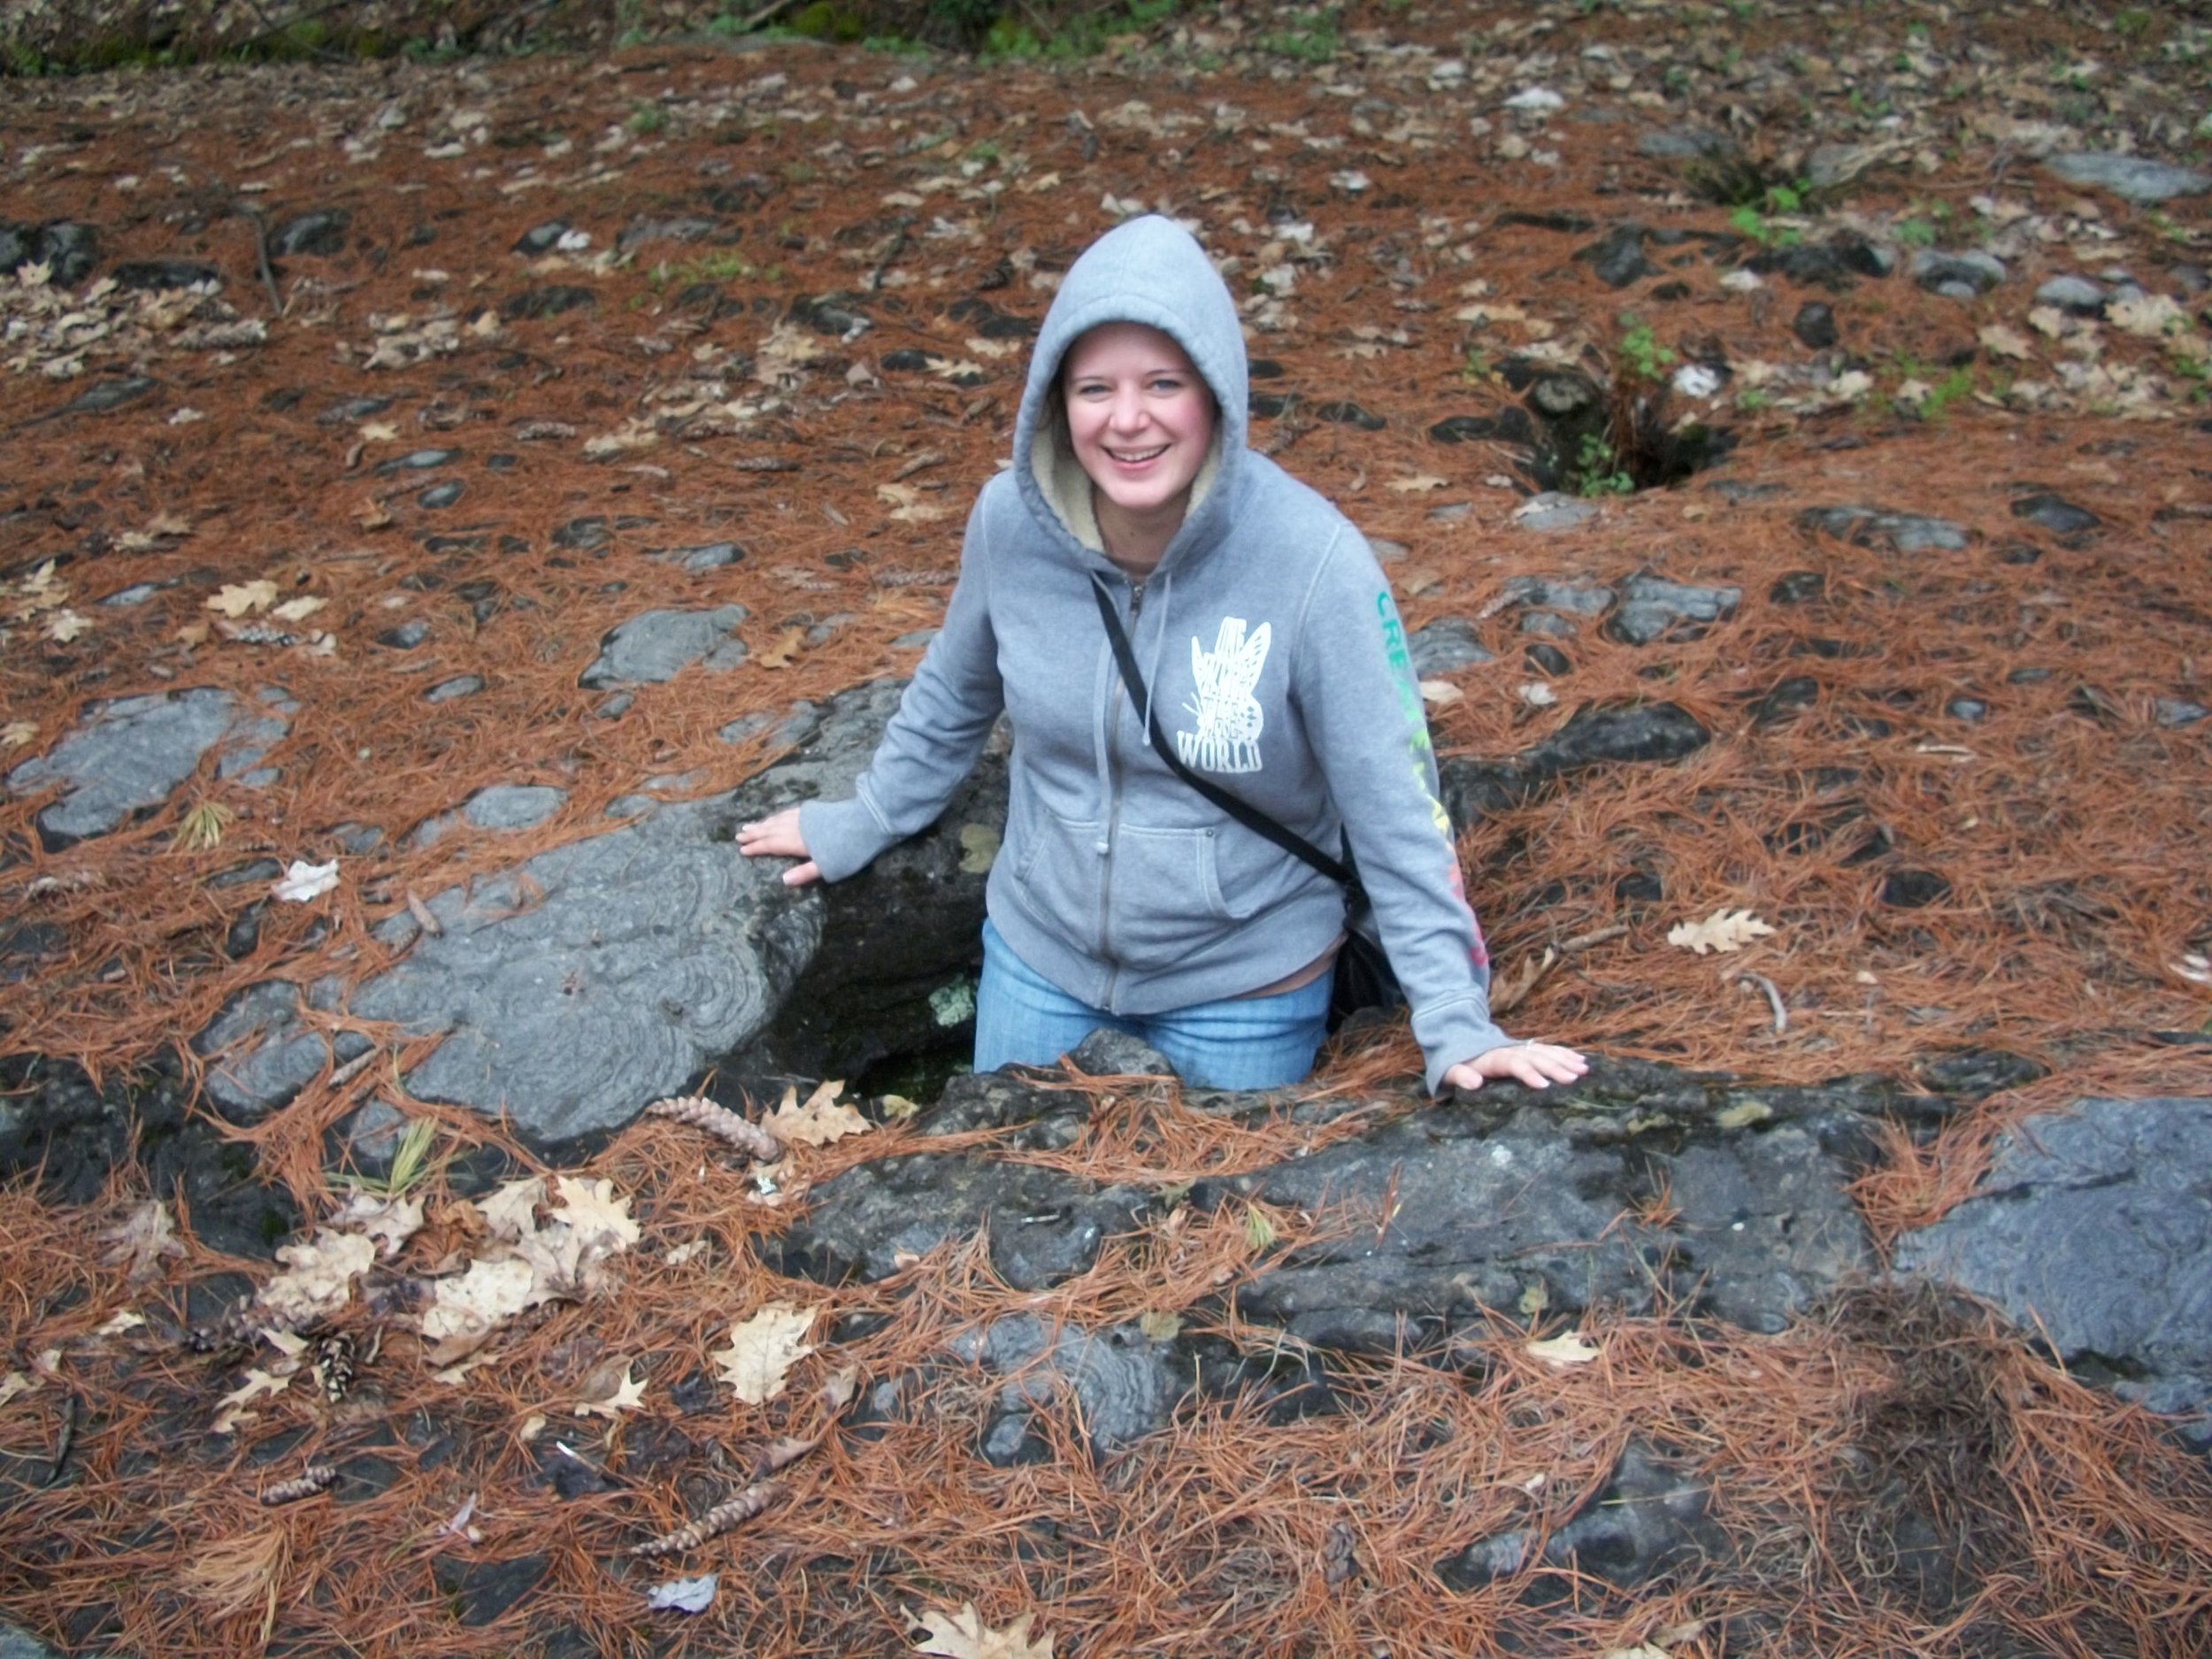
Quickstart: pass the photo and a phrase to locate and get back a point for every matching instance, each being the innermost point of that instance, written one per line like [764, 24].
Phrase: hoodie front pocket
[1059, 872]
[1166, 897]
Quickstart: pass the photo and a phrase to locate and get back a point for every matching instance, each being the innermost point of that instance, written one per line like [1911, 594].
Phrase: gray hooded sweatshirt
[1275, 661]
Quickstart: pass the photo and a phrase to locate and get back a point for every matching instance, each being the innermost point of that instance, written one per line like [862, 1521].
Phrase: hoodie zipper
[1113, 810]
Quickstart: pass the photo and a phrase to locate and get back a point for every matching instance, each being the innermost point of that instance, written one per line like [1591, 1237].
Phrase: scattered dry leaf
[1566, 1350]
[817, 1123]
[763, 1349]
[779, 653]
[144, 1239]
[963, 1635]
[235, 599]
[1723, 930]
[610, 1390]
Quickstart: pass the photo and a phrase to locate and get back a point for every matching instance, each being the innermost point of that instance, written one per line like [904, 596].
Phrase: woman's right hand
[778, 837]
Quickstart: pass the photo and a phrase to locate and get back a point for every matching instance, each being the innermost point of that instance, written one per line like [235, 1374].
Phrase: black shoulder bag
[1363, 977]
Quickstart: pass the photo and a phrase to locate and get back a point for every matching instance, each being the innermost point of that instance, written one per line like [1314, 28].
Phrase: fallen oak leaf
[817, 1123]
[785, 647]
[609, 1391]
[233, 1404]
[144, 1239]
[963, 1635]
[1724, 930]
[1566, 1350]
[761, 1351]
[235, 599]
[67, 626]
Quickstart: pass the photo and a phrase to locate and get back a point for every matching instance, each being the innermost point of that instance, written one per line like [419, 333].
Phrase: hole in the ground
[1617, 430]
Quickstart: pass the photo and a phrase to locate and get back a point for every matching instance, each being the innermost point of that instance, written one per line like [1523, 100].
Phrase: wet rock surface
[2093, 1230]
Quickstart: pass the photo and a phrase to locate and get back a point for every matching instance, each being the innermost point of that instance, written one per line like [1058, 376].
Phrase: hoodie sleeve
[931, 742]
[1360, 704]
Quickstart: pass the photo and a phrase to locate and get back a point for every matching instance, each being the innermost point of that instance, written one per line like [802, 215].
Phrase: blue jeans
[1238, 1042]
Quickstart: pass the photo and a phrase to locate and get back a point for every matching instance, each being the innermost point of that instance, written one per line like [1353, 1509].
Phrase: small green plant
[1937, 405]
[1752, 399]
[647, 118]
[1311, 39]
[2190, 368]
[1914, 233]
[1476, 369]
[2129, 21]
[1640, 351]
[1598, 470]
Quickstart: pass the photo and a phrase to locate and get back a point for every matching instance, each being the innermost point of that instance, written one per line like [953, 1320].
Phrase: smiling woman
[1138, 568]
[1140, 422]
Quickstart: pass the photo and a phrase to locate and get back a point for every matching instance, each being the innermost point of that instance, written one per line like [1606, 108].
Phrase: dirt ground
[787, 315]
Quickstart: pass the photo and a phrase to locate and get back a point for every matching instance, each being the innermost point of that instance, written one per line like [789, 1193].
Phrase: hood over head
[1148, 271]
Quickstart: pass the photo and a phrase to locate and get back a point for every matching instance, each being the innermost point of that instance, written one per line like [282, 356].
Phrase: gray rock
[319, 233]
[1489, 1209]
[2076, 295]
[1491, 1199]
[1581, 599]
[711, 556]
[1684, 144]
[1551, 510]
[574, 988]
[1974, 271]
[68, 249]
[157, 274]
[2177, 712]
[1119, 1379]
[1815, 325]
[1649, 1517]
[18, 1643]
[451, 690]
[513, 806]
[1831, 164]
[681, 228]
[1446, 646]
[2094, 1228]
[137, 593]
[541, 239]
[2135, 179]
[1651, 605]
[131, 754]
[1618, 258]
[657, 645]
[103, 396]
[417, 461]
[2055, 513]
[1875, 527]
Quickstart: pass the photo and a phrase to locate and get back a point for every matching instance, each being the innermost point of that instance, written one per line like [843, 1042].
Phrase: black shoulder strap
[1250, 817]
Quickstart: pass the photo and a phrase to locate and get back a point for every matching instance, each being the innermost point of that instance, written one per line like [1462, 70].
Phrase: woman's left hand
[1534, 1064]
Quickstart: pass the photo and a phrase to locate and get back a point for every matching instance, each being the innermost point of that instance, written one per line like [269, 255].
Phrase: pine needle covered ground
[1963, 787]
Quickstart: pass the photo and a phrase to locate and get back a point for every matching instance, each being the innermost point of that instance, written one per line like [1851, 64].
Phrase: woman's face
[1140, 417]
